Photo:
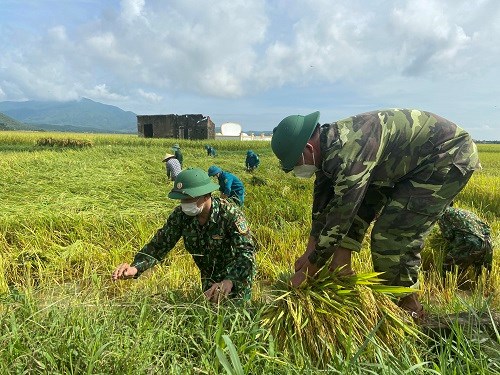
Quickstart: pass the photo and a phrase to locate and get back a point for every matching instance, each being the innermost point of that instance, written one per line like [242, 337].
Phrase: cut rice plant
[333, 317]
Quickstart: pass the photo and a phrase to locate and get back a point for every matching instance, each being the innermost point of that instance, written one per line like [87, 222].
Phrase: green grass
[70, 215]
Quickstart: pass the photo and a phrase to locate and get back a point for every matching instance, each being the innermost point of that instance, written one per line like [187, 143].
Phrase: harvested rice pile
[331, 315]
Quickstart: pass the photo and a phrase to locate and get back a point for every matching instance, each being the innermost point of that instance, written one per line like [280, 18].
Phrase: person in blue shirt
[230, 186]
[252, 161]
[210, 151]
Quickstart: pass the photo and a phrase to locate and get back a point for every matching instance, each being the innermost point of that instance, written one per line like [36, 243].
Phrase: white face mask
[305, 170]
[191, 209]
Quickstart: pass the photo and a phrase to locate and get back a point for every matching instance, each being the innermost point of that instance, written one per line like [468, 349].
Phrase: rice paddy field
[74, 206]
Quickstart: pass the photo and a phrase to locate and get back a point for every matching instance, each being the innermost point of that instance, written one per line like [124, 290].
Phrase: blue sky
[256, 62]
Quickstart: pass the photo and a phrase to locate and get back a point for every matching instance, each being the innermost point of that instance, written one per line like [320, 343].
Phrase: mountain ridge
[71, 115]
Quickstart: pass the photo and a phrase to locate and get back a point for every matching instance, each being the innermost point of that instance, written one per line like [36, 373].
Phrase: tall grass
[69, 216]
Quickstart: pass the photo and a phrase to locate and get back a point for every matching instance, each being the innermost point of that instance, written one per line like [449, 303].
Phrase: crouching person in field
[468, 241]
[215, 233]
[398, 169]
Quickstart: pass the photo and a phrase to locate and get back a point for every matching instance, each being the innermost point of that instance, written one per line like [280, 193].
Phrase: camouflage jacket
[378, 149]
[223, 248]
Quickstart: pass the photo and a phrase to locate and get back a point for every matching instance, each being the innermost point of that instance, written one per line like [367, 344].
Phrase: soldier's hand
[299, 263]
[124, 271]
[219, 290]
[307, 270]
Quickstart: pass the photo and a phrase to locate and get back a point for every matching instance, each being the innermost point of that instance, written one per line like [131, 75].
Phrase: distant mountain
[8, 123]
[79, 115]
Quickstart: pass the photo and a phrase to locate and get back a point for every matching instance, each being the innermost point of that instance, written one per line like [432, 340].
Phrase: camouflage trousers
[403, 215]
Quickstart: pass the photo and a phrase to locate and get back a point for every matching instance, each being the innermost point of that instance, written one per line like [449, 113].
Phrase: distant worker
[252, 160]
[215, 233]
[397, 169]
[210, 150]
[178, 153]
[468, 240]
[230, 186]
[172, 166]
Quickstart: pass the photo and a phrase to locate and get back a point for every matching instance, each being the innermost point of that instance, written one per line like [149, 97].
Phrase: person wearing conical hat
[215, 233]
[172, 165]
[397, 169]
[178, 153]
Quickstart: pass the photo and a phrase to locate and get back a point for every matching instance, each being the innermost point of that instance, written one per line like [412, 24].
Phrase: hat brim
[308, 126]
[193, 192]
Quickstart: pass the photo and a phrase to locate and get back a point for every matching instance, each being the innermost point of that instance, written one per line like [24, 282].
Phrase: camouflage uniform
[223, 248]
[468, 240]
[398, 167]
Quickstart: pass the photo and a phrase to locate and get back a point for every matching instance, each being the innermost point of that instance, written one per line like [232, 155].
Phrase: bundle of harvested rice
[334, 315]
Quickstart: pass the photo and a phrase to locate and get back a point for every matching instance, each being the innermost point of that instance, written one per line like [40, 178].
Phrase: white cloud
[58, 33]
[150, 96]
[132, 9]
[101, 92]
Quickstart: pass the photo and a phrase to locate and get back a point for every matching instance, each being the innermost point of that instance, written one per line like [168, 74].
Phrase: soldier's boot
[411, 304]
[341, 258]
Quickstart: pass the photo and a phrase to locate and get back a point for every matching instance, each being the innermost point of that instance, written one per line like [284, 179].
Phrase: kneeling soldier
[215, 233]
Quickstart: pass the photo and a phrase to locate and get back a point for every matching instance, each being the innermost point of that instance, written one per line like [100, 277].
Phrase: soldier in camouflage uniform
[468, 240]
[399, 168]
[215, 233]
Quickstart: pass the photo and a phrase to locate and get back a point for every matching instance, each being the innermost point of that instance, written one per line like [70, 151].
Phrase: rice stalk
[331, 314]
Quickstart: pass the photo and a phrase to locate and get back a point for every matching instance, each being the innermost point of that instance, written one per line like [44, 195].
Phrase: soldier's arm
[243, 265]
[161, 243]
[351, 183]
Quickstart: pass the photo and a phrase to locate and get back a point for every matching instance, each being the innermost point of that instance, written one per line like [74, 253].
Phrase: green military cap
[192, 183]
[291, 136]
[176, 146]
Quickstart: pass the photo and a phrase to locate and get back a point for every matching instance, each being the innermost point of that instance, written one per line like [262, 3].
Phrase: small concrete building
[175, 126]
